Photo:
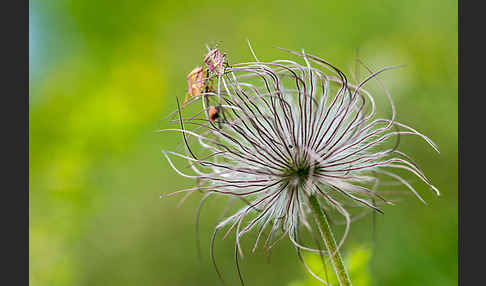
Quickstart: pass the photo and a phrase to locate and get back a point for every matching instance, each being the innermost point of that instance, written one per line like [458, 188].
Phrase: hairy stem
[330, 242]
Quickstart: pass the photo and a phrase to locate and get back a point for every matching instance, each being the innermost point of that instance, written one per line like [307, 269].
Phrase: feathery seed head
[273, 133]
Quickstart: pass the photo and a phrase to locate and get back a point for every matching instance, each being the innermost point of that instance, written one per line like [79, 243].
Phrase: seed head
[273, 133]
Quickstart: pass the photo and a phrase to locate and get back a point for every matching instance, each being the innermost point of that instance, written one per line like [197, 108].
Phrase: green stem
[330, 242]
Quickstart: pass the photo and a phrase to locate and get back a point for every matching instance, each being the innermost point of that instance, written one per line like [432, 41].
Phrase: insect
[198, 79]
[195, 82]
[213, 113]
[215, 62]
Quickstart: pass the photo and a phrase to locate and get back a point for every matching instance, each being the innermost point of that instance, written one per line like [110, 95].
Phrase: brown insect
[213, 113]
[195, 83]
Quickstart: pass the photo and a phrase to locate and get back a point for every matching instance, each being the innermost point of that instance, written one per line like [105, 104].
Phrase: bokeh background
[103, 74]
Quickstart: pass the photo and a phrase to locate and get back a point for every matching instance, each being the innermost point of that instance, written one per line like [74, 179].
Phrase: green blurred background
[104, 73]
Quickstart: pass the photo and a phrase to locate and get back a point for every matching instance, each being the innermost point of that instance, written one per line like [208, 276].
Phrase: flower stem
[330, 242]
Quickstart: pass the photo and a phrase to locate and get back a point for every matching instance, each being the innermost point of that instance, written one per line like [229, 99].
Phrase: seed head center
[298, 174]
